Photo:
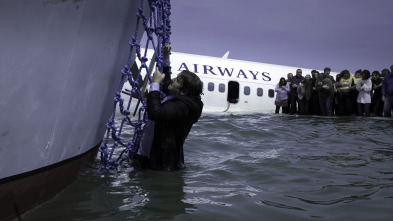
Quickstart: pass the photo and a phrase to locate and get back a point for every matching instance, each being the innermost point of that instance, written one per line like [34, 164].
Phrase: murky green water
[250, 167]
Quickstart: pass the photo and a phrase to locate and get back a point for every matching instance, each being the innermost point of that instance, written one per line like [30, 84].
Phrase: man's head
[375, 75]
[358, 73]
[345, 74]
[327, 70]
[186, 83]
[289, 76]
[365, 74]
[298, 73]
[315, 74]
[384, 73]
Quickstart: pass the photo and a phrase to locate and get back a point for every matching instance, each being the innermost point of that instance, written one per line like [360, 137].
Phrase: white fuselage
[233, 85]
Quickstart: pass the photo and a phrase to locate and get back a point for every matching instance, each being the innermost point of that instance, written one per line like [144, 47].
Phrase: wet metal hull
[60, 67]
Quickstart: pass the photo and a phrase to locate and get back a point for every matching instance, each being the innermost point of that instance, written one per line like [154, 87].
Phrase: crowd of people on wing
[361, 94]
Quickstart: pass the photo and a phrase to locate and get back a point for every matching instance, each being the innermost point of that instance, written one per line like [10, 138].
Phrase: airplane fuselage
[233, 85]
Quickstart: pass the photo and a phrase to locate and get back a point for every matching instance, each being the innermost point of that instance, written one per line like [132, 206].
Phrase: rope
[158, 30]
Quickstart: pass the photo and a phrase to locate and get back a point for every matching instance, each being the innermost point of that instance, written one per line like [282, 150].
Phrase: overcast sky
[341, 34]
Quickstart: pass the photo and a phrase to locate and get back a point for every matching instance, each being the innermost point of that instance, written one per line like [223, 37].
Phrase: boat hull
[24, 191]
[60, 67]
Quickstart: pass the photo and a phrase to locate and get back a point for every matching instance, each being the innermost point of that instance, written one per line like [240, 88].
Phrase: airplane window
[247, 90]
[221, 88]
[271, 93]
[210, 86]
[259, 92]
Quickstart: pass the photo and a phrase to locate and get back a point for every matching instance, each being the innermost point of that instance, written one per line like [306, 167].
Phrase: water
[249, 167]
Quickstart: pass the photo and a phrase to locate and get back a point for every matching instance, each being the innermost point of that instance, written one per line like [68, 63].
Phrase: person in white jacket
[364, 87]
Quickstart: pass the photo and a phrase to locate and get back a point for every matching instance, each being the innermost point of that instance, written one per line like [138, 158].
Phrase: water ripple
[250, 167]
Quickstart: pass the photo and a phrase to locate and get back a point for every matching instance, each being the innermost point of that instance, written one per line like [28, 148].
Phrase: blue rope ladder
[158, 30]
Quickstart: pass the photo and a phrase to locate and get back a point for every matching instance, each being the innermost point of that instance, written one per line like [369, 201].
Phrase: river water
[249, 167]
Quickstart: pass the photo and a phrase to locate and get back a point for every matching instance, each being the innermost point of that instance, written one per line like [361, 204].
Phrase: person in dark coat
[387, 92]
[295, 81]
[170, 120]
[325, 90]
[315, 106]
[376, 97]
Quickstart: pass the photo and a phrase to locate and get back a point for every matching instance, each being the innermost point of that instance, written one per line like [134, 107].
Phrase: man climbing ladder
[170, 120]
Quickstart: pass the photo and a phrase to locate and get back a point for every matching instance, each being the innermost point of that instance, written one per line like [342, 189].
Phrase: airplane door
[233, 93]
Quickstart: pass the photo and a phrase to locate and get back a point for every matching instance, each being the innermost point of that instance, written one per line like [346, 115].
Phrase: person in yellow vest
[346, 82]
[354, 92]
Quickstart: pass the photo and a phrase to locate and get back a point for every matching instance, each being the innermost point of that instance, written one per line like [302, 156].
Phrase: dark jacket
[173, 121]
[387, 85]
[324, 94]
[296, 81]
[377, 92]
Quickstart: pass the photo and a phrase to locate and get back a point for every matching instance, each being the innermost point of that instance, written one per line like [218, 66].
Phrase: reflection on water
[163, 193]
[250, 167]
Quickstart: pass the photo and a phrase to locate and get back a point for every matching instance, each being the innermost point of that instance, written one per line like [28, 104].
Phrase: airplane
[230, 85]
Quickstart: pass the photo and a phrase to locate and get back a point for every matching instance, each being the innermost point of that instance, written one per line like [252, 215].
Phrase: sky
[340, 34]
